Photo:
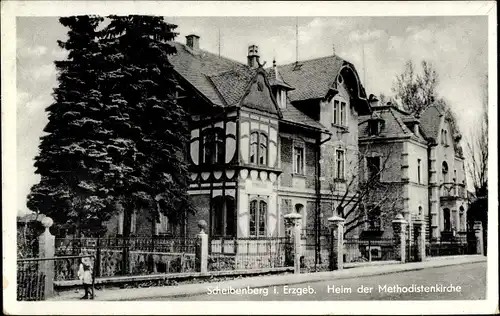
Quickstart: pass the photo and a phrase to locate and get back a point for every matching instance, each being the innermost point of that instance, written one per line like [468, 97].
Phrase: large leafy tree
[72, 161]
[416, 90]
[150, 128]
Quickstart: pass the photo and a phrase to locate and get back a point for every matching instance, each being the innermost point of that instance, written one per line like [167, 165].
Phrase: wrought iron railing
[248, 253]
[359, 250]
[452, 190]
[32, 274]
[134, 255]
[437, 248]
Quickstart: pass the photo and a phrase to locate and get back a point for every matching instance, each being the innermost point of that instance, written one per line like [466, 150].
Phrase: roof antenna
[219, 41]
[297, 41]
[364, 66]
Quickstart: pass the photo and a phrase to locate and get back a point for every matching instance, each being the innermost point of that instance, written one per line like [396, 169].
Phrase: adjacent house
[395, 151]
[419, 158]
[447, 182]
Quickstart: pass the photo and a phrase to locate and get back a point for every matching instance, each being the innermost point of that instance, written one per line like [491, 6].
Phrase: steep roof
[430, 120]
[275, 78]
[295, 116]
[225, 82]
[197, 67]
[394, 122]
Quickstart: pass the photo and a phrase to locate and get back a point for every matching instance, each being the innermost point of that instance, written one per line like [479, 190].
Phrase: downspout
[317, 226]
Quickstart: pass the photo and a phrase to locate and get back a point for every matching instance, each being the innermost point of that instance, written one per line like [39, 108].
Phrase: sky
[455, 45]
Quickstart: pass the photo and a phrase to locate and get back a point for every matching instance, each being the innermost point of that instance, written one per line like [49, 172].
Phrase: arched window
[258, 148]
[445, 172]
[258, 217]
[213, 146]
[447, 220]
[374, 218]
[263, 150]
[461, 217]
[223, 216]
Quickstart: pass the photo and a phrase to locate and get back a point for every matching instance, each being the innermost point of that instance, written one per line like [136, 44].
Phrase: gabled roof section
[233, 84]
[275, 78]
[313, 78]
[258, 94]
[393, 122]
[430, 120]
[197, 66]
[294, 116]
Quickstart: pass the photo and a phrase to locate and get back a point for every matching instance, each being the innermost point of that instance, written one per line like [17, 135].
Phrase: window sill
[338, 180]
[343, 127]
[298, 175]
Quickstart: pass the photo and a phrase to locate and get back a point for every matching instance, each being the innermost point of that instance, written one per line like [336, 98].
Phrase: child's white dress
[85, 272]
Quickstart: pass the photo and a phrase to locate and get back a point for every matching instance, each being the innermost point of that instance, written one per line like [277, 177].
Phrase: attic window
[373, 127]
[340, 79]
[281, 98]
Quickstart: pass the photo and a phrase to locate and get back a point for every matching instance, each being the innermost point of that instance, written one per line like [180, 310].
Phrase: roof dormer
[279, 86]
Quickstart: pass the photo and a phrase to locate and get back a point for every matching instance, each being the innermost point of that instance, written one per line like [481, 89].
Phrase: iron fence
[359, 250]
[32, 274]
[134, 255]
[30, 280]
[249, 253]
[316, 248]
[437, 248]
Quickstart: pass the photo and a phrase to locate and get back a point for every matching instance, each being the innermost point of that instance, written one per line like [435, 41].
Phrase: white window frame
[343, 113]
[295, 164]
[258, 201]
[335, 112]
[419, 171]
[337, 164]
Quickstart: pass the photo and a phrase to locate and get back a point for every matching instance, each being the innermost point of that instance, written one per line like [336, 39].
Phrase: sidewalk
[275, 280]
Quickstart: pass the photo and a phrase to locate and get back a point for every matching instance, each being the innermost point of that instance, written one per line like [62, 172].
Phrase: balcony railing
[452, 190]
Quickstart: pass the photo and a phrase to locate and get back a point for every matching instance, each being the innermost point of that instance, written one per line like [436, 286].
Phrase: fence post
[202, 248]
[47, 250]
[97, 270]
[419, 235]
[337, 248]
[398, 228]
[292, 220]
[478, 232]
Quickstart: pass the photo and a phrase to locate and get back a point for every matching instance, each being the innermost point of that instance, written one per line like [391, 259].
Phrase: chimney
[253, 56]
[372, 99]
[193, 42]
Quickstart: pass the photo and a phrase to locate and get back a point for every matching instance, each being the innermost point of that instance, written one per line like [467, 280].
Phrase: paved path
[471, 278]
[380, 272]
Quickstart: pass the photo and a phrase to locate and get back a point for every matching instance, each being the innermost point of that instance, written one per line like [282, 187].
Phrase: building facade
[447, 181]
[304, 137]
[421, 163]
[264, 142]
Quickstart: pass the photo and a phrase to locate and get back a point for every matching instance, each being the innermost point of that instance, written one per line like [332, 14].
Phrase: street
[466, 282]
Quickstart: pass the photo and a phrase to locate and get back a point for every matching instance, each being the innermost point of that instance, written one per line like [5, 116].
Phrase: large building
[305, 138]
[264, 142]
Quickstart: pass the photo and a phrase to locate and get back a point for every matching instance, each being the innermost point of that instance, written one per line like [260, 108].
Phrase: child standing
[85, 275]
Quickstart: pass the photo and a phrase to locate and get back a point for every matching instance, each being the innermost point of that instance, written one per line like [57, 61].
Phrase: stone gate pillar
[398, 228]
[337, 247]
[202, 248]
[419, 238]
[46, 244]
[292, 223]
[478, 232]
